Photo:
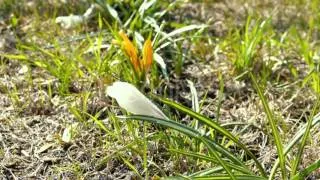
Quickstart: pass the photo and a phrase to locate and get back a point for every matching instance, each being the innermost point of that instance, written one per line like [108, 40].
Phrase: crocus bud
[133, 101]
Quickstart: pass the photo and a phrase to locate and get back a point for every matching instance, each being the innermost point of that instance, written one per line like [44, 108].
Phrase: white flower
[133, 101]
[69, 132]
[88, 12]
[71, 21]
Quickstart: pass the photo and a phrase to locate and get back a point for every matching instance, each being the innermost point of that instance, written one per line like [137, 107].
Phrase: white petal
[68, 133]
[88, 12]
[95, 48]
[159, 60]
[133, 101]
[68, 22]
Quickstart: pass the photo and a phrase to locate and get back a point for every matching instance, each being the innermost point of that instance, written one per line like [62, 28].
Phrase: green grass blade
[225, 177]
[182, 30]
[220, 160]
[15, 56]
[225, 152]
[208, 158]
[272, 122]
[215, 126]
[189, 132]
[131, 166]
[304, 173]
[207, 172]
[100, 124]
[206, 141]
[177, 177]
[304, 138]
[194, 96]
[216, 177]
[292, 142]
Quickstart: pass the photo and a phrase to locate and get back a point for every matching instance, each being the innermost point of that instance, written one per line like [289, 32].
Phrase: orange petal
[124, 36]
[147, 54]
[132, 53]
[130, 50]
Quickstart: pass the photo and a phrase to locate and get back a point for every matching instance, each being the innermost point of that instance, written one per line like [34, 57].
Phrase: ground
[35, 111]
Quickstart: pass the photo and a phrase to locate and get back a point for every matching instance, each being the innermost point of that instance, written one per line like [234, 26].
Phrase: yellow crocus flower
[143, 64]
[147, 55]
[130, 50]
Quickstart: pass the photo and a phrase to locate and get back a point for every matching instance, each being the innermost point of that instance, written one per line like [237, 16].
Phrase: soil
[32, 123]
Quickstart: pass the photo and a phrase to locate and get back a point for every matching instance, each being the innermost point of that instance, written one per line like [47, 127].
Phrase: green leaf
[304, 138]
[214, 125]
[194, 96]
[14, 20]
[15, 56]
[304, 173]
[273, 126]
[220, 160]
[131, 166]
[226, 177]
[40, 64]
[189, 132]
[182, 30]
[208, 158]
[292, 142]
[145, 6]
[100, 124]
[160, 61]
[207, 172]
[113, 13]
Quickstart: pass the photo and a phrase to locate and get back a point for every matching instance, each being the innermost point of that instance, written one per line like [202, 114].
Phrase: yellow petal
[147, 54]
[130, 50]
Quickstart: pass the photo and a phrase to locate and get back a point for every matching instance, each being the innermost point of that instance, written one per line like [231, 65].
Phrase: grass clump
[206, 95]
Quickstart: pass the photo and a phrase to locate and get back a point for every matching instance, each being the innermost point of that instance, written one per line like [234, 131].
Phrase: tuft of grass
[201, 148]
[246, 49]
[214, 148]
[273, 123]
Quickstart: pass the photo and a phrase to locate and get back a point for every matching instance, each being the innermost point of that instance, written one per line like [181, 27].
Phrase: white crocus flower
[72, 21]
[133, 101]
[68, 22]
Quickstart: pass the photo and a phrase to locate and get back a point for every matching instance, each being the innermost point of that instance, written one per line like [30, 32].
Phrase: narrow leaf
[226, 177]
[304, 173]
[15, 56]
[272, 122]
[210, 159]
[292, 142]
[214, 125]
[182, 30]
[189, 132]
[304, 138]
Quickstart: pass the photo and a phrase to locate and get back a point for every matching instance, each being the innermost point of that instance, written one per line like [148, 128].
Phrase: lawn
[160, 89]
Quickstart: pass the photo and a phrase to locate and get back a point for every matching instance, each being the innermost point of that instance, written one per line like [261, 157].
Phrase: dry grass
[32, 119]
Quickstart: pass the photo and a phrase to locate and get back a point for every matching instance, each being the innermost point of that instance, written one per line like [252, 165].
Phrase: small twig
[9, 170]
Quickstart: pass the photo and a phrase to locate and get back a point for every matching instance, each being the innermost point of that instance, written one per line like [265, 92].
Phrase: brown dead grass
[31, 128]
